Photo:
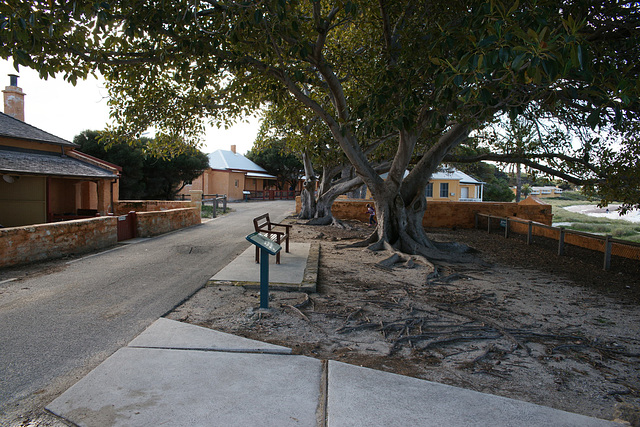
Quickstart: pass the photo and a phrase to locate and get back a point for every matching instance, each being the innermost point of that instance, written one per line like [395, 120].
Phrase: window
[428, 192]
[237, 182]
[444, 189]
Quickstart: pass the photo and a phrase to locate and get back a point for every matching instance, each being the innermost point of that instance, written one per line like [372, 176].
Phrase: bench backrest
[260, 222]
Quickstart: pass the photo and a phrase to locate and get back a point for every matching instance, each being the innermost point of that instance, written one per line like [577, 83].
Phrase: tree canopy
[427, 73]
[144, 176]
[278, 161]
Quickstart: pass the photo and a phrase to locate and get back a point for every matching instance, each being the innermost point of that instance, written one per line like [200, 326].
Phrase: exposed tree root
[407, 260]
[329, 220]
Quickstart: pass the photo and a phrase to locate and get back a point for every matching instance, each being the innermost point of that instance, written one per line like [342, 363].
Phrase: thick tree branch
[430, 161]
[519, 158]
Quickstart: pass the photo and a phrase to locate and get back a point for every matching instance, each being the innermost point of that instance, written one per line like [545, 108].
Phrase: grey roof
[14, 128]
[447, 173]
[32, 162]
[456, 175]
[228, 160]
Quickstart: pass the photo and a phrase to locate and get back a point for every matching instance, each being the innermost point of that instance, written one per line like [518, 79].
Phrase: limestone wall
[125, 206]
[450, 214]
[20, 245]
[159, 222]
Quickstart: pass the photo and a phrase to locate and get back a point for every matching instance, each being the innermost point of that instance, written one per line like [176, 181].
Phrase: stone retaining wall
[159, 222]
[125, 206]
[20, 245]
[451, 214]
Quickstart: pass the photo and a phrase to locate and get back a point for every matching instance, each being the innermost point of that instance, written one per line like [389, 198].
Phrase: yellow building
[450, 184]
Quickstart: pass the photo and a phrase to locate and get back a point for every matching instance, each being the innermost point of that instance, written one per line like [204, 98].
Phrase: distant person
[372, 215]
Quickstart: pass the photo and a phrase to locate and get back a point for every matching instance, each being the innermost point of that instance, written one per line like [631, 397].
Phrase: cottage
[42, 177]
[232, 174]
[454, 185]
[450, 184]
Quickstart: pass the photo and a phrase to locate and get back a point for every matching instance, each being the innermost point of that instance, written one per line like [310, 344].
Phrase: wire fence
[611, 249]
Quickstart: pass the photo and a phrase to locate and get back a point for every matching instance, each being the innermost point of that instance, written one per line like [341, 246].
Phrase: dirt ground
[516, 320]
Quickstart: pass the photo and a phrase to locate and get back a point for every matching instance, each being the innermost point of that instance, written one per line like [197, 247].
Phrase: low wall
[159, 222]
[583, 240]
[123, 207]
[451, 214]
[20, 245]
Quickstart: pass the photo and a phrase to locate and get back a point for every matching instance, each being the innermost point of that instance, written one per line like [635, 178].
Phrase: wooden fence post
[215, 207]
[607, 253]
[561, 242]
[506, 228]
[530, 233]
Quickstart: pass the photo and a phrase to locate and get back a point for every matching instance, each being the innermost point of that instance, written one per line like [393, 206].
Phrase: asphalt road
[56, 327]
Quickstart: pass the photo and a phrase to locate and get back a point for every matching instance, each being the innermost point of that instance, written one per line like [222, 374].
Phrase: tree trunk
[308, 200]
[308, 196]
[401, 203]
[325, 199]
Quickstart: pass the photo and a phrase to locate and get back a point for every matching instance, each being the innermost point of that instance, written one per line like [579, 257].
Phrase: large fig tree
[429, 72]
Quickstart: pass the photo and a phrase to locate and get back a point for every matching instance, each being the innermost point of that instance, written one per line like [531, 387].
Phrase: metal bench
[263, 225]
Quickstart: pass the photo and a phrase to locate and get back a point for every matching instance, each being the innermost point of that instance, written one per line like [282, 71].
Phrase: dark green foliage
[144, 176]
[496, 188]
[278, 161]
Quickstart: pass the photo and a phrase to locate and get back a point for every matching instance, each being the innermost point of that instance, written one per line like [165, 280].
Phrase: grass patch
[574, 197]
[207, 211]
[617, 228]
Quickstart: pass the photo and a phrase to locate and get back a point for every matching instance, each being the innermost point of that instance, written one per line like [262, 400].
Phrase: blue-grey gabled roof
[228, 160]
[14, 128]
[31, 162]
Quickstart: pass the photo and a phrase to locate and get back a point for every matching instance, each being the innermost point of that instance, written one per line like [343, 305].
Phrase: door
[127, 226]
[464, 192]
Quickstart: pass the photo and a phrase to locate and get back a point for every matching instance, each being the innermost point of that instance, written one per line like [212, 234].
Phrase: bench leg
[287, 244]
[257, 255]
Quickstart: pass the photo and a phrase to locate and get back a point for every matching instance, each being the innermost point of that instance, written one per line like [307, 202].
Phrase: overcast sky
[64, 110]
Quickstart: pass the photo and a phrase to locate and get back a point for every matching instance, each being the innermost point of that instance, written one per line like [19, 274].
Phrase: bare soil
[517, 321]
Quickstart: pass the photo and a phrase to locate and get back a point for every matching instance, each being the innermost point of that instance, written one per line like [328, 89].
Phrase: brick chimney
[233, 148]
[14, 99]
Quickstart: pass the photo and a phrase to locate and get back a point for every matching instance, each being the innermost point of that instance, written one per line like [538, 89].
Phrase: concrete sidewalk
[180, 374]
[297, 271]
